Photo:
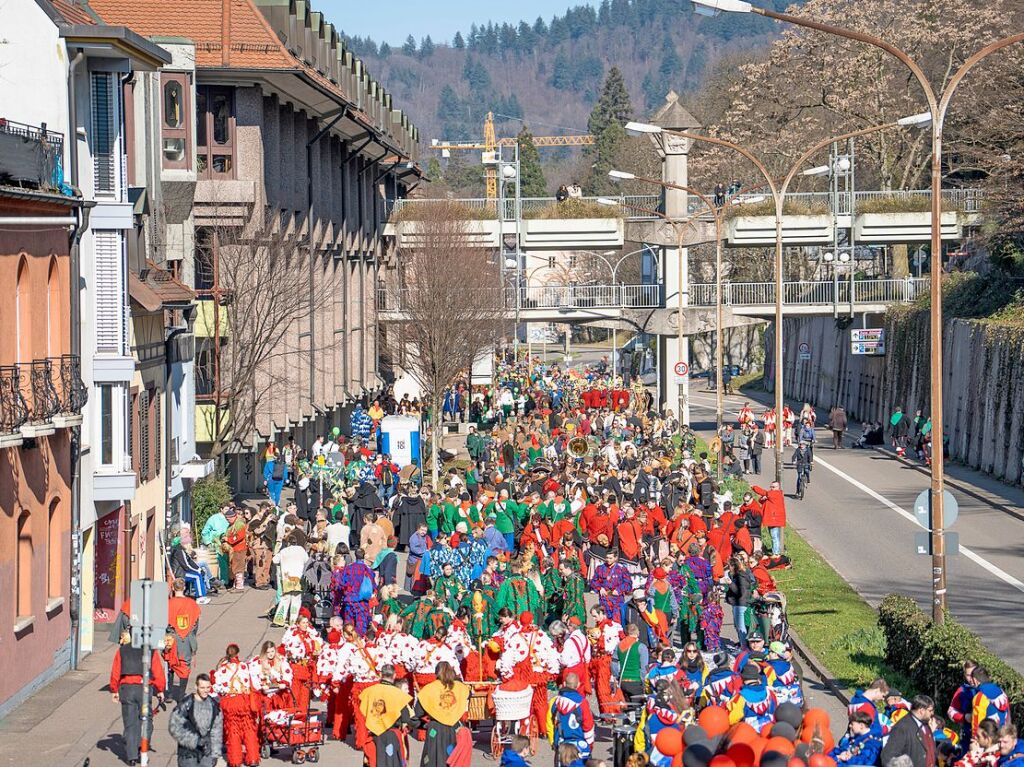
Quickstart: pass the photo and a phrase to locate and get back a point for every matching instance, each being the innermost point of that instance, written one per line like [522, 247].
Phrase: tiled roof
[72, 12]
[253, 43]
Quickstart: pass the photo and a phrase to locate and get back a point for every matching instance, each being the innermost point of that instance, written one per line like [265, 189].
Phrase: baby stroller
[770, 614]
[289, 728]
[317, 597]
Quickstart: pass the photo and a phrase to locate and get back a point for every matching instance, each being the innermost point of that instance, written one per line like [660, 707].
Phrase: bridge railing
[804, 293]
[568, 297]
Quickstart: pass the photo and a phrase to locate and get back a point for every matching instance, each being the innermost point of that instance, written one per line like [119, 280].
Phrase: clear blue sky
[393, 20]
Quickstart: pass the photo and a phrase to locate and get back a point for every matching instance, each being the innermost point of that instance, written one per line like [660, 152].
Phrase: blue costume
[570, 721]
[275, 486]
[783, 680]
[758, 704]
[360, 423]
[864, 749]
[860, 702]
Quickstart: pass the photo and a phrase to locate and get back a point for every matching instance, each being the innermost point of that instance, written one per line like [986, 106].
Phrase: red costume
[232, 683]
[531, 658]
[608, 633]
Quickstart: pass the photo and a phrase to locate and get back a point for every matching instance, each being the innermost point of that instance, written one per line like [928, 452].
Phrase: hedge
[931, 656]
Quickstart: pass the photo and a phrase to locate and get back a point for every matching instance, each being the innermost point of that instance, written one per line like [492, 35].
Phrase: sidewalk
[74, 718]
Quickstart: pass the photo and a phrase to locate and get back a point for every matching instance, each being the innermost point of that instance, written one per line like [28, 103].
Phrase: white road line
[998, 572]
[977, 559]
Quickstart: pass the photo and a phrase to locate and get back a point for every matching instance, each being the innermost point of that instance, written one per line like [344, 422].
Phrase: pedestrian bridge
[543, 223]
[592, 303]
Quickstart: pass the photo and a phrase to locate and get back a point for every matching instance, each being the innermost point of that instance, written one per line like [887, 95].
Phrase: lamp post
[778, 193]
[938, 104]
[718, 214]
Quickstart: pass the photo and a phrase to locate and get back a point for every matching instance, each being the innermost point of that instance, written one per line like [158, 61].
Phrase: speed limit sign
[681, 369]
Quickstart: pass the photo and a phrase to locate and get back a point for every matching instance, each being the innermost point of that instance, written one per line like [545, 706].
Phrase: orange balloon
[714, 720]
[742, 733]
[742, 754]
[669, 741]
[722, 761]
[820, 760]
[766, 731]
[677, 760]
[796, 762]
[759, 745]
[782, 745]
[814, 716]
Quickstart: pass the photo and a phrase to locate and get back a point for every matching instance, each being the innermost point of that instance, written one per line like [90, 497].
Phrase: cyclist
[802, 464]
[806, 435]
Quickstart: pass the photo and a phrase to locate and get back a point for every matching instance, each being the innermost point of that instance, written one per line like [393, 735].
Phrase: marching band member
[429, 653]
[360, 661]
[530, 657]
[232, 684]
[301, 645]
[271, 677]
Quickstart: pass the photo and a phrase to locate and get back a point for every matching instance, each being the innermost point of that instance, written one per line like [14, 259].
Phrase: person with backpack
[358, 587]
[275, 475]
[197, 726]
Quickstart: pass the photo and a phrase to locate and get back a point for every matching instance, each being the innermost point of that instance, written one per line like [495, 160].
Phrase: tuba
[579, 448]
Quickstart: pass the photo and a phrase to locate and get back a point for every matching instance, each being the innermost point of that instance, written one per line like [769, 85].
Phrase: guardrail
[567, 297]
[820, 293]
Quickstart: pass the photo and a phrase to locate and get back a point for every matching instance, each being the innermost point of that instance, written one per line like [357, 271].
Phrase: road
[858, 513]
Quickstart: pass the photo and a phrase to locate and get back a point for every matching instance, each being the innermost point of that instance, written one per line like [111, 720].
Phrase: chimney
[225, 33]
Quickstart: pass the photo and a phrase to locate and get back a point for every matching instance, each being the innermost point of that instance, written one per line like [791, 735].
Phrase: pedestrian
[572, 722]
[631, 661]
[773, 514]
[858, 745]
[232, 684]
[912, 736]
[197, 726]
[838, 424]
[275, 475]
[739, 595]
[234, 542]
[262, 541]
[126, 688]
[719, 194]
[1011, 748]
[183, 623]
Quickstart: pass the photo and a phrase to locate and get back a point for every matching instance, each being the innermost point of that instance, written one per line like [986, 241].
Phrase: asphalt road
[858, 513]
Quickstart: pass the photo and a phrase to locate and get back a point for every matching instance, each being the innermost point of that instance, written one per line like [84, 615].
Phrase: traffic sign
[868, 341]
[148, 612]
[804, 347]
[804, 351]
[681, 369]
[922, 509]
[923, 543]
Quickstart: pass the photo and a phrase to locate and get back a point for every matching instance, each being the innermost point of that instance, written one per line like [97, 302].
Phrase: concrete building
[297, 145]
[63, 73]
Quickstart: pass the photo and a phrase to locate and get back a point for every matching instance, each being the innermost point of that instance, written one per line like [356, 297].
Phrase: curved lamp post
[938, 104]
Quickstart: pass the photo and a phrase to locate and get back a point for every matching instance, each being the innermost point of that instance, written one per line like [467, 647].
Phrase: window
[106, 146]
[174, 129]
[54, 345]
[203, 278]
[215, 132]
[24, 565]
[106, 424]
[24, 310]
[109, 292]
[204, 368]
[55, 552]
[144, 438]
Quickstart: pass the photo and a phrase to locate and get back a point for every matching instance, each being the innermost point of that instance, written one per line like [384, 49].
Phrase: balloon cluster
[796, 739]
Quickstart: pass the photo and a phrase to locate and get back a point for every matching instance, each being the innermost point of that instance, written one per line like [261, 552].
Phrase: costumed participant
[858, 745]
[569, 718]
[429, 654]
[397, 648]
[518, 593]
[612, 583]
[694, 671]
[960, 707]
[441, 705]
[782, 676]
[360, 662]
[183, 620]
[387, 712]
[604, 640]
[573, 589]
[867, 700]
[990, 702]
[746, 414]
[722, 683]
[271, 677]
[574, 653]
[664, 602]
[358, 587]
[330, 672]
[127, 689]
[530, 657]
[665, 668]
[755, 703]
[232, 684]
[301, 644]
[667, 706]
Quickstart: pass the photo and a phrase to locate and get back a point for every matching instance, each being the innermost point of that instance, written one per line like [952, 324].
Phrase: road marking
[977, 559]
[995, 570]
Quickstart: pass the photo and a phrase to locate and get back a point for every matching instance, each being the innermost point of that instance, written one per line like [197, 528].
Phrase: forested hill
[550, 71]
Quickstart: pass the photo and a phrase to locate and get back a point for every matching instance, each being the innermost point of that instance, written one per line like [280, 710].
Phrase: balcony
[41, 395]
[30, 156]
[13, 410]
[71, 391]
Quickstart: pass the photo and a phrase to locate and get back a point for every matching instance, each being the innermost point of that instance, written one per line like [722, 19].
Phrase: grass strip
[833, 620]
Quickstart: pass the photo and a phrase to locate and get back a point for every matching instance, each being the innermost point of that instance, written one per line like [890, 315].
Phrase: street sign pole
[147, 654]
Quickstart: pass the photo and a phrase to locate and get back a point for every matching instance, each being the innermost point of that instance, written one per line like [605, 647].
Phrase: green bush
[208, 496]
[452, 209]
[574, 208]
[931, 656]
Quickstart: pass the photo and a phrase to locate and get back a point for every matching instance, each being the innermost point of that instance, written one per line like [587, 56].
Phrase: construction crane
[490, 146]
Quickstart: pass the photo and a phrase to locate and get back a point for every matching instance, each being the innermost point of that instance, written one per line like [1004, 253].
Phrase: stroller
[770, 614]
[289, 728]
[316, 579]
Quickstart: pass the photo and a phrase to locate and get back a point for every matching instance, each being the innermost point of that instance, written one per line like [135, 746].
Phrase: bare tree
[451, 305]
[263, 297]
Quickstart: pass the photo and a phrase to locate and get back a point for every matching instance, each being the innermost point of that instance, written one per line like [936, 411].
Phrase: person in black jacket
[197, 726]
[740, 593]
[912, 735]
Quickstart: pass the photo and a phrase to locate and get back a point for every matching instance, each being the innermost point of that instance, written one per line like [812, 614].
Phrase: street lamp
[938, 104]
[778, 193]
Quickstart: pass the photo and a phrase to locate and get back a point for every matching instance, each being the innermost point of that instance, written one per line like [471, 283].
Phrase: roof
[73, 12]
[160, 289]
[77, 21]
[673, 115]
[36, 195]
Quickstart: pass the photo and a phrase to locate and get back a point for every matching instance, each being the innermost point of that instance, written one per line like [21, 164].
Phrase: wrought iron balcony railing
[40, 393]
[13, 410]
[70, 390]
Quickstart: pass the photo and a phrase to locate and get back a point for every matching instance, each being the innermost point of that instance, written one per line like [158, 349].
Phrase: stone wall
[983, 382]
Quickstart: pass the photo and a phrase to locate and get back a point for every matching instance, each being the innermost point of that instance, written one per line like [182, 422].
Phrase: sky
[392, 21]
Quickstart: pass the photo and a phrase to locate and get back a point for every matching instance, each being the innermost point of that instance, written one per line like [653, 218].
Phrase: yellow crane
[491, 143]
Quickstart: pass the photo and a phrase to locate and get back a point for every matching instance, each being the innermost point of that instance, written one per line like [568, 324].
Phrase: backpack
[366, 589]
[277, 473]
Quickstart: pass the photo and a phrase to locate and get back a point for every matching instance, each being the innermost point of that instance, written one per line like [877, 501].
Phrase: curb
[819, 668]
[963, 488]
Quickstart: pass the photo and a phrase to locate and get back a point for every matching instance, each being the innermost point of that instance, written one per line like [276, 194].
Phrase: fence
[824, 292]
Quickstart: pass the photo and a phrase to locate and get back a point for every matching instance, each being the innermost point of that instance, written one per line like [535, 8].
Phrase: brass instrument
[579, 448]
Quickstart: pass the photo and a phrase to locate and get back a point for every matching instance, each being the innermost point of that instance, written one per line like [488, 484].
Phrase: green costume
[482, 622]
[450, 517]
[434, 518]
[573, 589]
[519, 594]
[551, 581]
[449, 588]
[417, 617]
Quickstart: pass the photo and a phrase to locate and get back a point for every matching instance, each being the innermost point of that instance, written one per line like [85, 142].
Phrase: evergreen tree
[530, 170]
[527, 37]
[434, 169]
[561, 73]
[385, 50]
[476, 75]
[507, 39]
[448, 104]
[409, 49]
[457, 42]
[474, 37]
[612, 106]
[620, 12]
[606, 148]
[652, 90]
[426, 47]
[671, 64]
[604, 14]
[540, 27]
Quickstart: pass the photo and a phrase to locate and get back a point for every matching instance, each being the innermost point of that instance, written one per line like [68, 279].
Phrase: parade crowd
[569, 581]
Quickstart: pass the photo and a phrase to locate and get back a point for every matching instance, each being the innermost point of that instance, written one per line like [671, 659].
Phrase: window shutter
[109, 292]
[104, 133]
[144, 435]
[157, 452]
[133, 433]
